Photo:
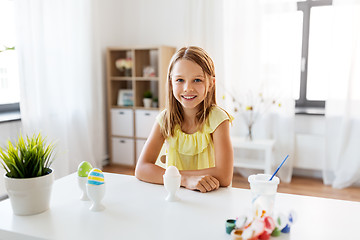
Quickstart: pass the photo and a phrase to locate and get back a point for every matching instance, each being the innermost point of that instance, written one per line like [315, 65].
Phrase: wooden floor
[298, 185]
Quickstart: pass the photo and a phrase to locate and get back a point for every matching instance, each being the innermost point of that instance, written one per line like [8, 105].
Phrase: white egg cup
[82, 184]
[172, 184]
[96, 194]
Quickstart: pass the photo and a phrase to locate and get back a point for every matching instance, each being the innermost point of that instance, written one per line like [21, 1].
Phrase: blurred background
[293, 64]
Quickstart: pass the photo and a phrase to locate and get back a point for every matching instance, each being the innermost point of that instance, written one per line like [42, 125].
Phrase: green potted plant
[7, 48]
[28, 177]
[147, 100]
[155, 102]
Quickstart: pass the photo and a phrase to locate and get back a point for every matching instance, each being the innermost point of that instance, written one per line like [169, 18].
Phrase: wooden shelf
[120, 107]
[124, 119]
[115, 78]
[144, 108]
[146, 78]
[132, 107]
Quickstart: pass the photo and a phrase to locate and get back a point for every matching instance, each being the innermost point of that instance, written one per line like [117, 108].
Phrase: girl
[195, 130]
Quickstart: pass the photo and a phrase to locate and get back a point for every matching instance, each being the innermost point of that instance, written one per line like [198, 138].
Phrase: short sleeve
[216, 117]
[160, 118]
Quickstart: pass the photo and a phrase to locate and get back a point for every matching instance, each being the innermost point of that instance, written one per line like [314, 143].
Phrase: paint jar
[230, 225]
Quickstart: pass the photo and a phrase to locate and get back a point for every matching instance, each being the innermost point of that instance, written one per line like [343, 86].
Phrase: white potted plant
[28, 177]
[147, 100]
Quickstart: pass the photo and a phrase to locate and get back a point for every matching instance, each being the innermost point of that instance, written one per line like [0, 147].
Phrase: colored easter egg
[84, 169]
[96, 177]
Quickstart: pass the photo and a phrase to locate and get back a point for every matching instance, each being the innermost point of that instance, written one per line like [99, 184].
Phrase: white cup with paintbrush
[263, 188]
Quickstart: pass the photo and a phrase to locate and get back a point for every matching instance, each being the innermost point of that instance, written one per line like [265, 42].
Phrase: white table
[138, 210]
[264, 145]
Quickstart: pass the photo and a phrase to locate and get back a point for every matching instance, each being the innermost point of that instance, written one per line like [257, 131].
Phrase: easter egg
[96, 177]
[172, 171]
[84, 169]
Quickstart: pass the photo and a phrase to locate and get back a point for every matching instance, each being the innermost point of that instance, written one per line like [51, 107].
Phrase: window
[315, 42]
[9, 82]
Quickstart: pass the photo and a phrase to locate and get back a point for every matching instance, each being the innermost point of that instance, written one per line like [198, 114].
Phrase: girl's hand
[203, 184]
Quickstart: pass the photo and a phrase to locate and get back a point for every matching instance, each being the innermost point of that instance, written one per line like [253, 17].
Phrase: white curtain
[204, 29]
[262, 54]
[60, 79]
[342, 164]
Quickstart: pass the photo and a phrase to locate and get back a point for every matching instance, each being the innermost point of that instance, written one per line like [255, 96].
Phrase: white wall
[160, 22]
[142, 22]
[8, 131]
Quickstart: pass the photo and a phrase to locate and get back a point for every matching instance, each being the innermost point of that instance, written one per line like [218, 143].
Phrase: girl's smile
[189, 83]
[188, 97]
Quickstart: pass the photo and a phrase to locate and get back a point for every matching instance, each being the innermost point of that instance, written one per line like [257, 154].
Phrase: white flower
[123, 63]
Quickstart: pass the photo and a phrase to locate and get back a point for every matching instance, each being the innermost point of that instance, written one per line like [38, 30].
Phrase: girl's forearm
[152, 173]
[149, 172]
[223, 175]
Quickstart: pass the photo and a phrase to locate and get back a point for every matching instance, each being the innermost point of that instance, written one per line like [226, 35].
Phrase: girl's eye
[179, 80]
[197, 80]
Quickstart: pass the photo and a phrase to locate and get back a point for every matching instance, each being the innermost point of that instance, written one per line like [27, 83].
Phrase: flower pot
[147, 102]
[154, 104]
[29, 196]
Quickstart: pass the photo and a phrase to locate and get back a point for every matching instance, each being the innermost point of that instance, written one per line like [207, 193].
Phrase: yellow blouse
[192, 151]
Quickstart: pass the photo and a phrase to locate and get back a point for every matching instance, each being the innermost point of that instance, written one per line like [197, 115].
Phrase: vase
[29, 196]
[249, 135]
[128, 72]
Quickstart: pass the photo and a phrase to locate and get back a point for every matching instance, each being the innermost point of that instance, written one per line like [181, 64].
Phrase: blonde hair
[174, 111]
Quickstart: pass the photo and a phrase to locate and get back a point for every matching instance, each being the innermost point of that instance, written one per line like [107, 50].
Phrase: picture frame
[125, 98]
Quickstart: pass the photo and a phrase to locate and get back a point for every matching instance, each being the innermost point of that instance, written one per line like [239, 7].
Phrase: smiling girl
[192, 133]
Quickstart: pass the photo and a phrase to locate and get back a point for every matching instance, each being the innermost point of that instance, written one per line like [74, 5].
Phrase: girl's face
[189, 84]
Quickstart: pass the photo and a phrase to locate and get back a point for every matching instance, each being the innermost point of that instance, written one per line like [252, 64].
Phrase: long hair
[174, 112]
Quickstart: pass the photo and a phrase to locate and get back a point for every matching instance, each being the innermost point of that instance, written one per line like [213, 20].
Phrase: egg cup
[82, 184]
[96, 194]
[172, 184]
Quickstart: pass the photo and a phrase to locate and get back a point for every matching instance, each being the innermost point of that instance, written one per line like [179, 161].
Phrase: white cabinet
[122, 122]
[144, 121]
[123, 151]
[310, 142]
[265, 146]
[139, 146]
[310, 151]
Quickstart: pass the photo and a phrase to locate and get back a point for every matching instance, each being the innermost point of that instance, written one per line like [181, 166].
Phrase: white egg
[172, 171]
